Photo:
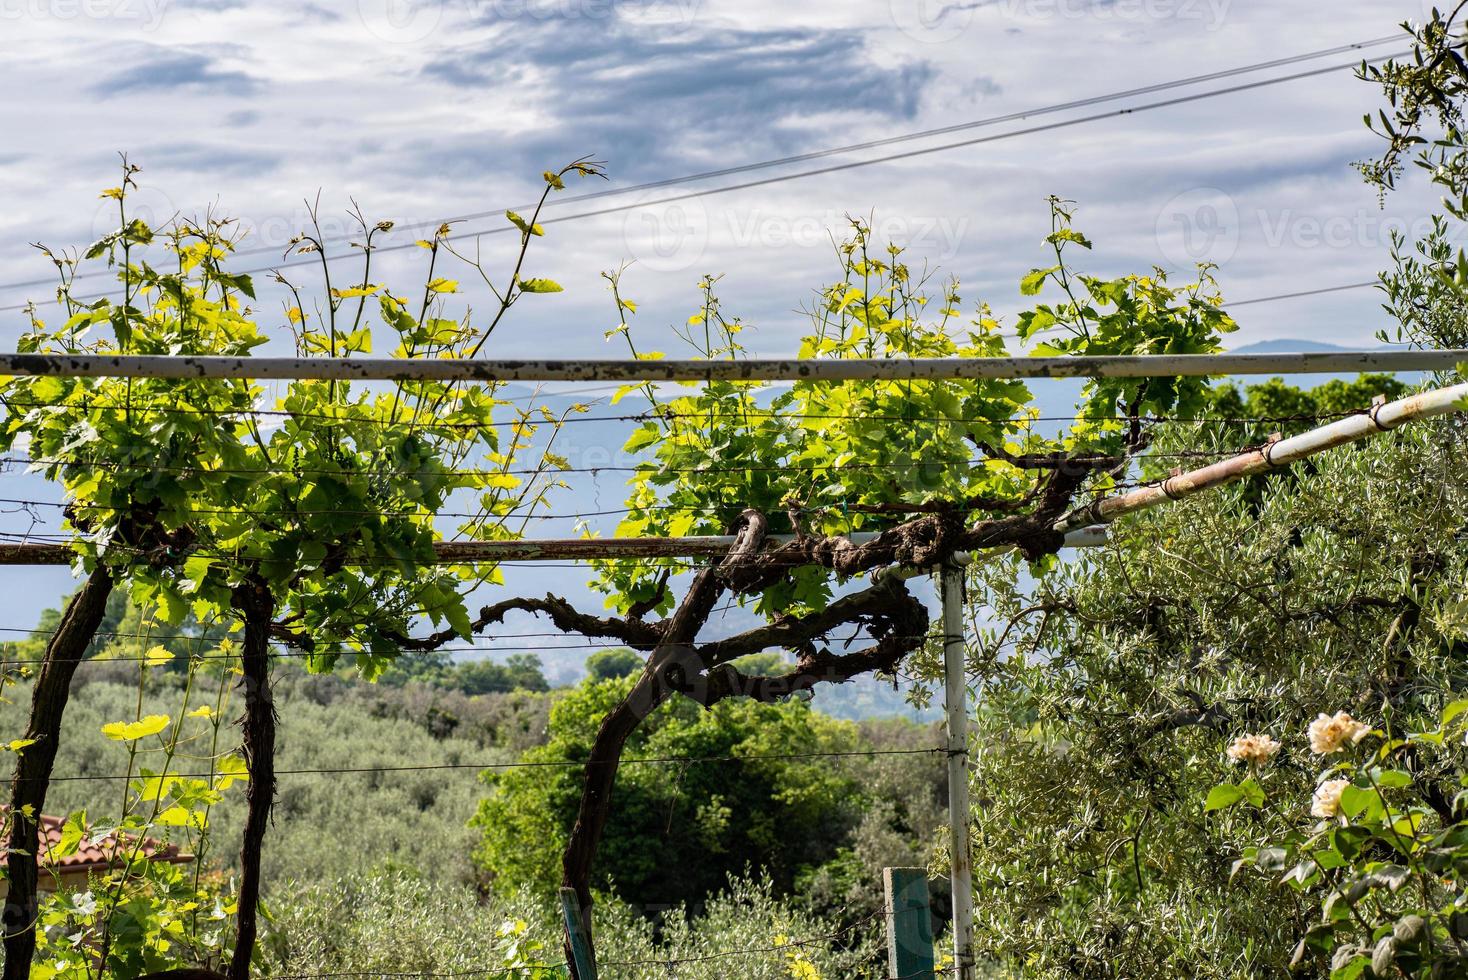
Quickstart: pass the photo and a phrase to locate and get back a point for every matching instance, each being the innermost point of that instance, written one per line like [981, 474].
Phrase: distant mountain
[1288, 345]
[1294, 345]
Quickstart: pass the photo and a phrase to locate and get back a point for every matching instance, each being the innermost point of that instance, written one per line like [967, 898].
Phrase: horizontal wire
[711, 510]
[412, 422]
[372, 560]
[42, 631]
[656, 414]
[548, 764]
[649, 467]
[398, 652]
[1320, 291]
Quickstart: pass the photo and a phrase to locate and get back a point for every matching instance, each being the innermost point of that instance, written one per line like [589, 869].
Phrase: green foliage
[1386, 869]
[154, 470]
[392, 923]
[142, 916]
[1111, 816]
[328, 824]
[1129, 315]
[780, 816]
[1425, 93]
[861, 455]
[176, 490]
[519, 672]
[1427, 291]
[607, 665]
[198, 512]
[1298, 409]
[384, 924]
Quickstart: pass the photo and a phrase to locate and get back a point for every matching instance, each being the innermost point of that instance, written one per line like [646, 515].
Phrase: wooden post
[909, 924]
[578, 936]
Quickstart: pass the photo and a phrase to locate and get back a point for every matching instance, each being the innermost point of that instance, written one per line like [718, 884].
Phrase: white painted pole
[955, 682]
[749, 369]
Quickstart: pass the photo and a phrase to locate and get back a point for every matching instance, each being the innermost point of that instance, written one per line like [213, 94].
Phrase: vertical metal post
[950, 587]
[909, 924]
[578, 936]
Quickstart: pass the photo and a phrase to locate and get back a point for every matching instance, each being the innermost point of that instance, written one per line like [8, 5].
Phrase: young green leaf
[131, 731]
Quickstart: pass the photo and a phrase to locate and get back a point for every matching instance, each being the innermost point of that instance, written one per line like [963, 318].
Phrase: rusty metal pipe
[752, 369]
[545, 549]
[1382, 418]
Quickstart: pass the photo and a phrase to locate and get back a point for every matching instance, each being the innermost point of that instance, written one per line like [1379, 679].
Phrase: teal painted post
[909, 924]
[578, 936]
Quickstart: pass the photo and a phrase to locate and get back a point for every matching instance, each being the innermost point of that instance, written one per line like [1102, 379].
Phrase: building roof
[98, 854]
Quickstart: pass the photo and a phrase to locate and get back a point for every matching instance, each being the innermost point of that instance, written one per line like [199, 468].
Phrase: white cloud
[332, 106]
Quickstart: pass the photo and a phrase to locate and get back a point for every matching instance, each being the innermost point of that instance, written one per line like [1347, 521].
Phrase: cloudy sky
[425, 109]
[430, 109]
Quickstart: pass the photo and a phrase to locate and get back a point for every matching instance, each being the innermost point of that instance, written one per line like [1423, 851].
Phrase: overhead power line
[1300, 294]
[561, 201]
[820, 171]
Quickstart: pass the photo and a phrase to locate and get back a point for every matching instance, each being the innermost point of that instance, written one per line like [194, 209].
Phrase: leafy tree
[679, 834]
[1162, 795]
[1427, 291]
[1112, 689]
[606, 665]
[1289, 409]
[519, 672]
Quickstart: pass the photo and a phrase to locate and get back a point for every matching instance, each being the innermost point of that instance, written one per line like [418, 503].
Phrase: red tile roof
[98, 855]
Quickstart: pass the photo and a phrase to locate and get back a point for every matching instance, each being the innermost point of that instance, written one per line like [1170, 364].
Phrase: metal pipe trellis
[751, 369]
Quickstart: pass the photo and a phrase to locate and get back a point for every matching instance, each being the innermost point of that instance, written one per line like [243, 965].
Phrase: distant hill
[1287, 345]
[1294, 345]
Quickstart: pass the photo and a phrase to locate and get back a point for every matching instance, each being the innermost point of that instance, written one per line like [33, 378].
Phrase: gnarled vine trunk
[891, 615]
[255, 602]
[33, 765]
[668, 667]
